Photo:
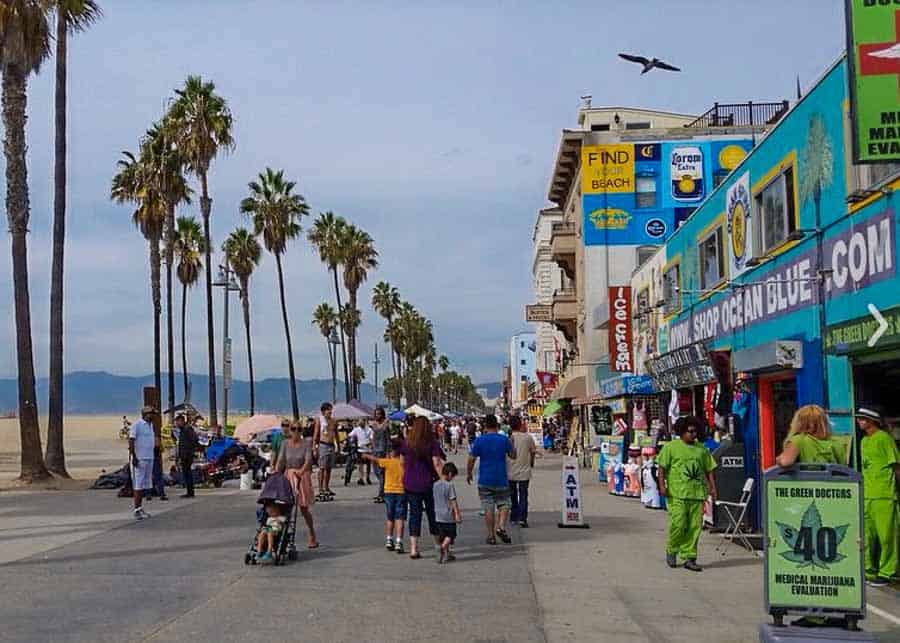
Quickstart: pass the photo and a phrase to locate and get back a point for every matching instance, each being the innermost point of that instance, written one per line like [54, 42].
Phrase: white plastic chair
[736, 511]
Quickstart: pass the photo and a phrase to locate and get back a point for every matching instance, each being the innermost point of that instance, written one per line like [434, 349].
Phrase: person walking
[325, 442]
[518, 470]
[490, 451]
[446, 511]
[881, 473]
[422, 460]
[685, 478]
[381, 446]
[187, 445]
[362, 435]
[809, 440]
[295, 461]
[141, 443]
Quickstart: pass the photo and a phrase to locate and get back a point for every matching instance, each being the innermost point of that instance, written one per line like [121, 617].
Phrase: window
[775, 205]
[645, 253]
[522, 362]
[719, 177]
[638, 125]
[645, 192]
[671, 290]
[643, 309]
[521, 344]
[600, 127]
[712, 259]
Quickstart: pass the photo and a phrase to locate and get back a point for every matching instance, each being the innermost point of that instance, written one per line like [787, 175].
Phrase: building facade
[522, 353]
[547, 278]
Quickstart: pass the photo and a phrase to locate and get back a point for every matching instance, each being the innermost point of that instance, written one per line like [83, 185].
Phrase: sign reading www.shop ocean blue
[858, 256]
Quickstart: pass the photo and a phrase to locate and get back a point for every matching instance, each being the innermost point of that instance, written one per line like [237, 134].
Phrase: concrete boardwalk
[74, 567]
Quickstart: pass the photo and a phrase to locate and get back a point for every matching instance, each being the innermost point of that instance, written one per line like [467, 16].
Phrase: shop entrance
[875, 384]
[777, 405]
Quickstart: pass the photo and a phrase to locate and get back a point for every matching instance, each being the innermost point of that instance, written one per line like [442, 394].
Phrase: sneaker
[672, 560]
[398, 547]
[164, 498]
[501, 533]
[449, 558]
[389, 544]
[368, 481]
[877, 582]
[441, 558]
[361, 482]
[692, 565]
[524, 524]
[140, 514]
[265, 558]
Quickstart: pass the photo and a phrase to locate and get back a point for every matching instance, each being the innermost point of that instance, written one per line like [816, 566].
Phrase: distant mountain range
[100, 393]
[493, 389]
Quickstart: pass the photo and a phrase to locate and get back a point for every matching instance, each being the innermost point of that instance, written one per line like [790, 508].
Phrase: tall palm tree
[327, 235]
[24, 45]
[386, 302]
[189, 250]
[359, 257]
[276, 212]
[243, 252]
[135, 183]
[202, 127]
[443, 363]
[325, 317]
[74, 16]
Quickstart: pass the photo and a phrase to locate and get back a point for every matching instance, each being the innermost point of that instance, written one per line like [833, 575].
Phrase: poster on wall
[873, 45]
[621, 358]
[607, 168]
[687, 173]
[738, 219]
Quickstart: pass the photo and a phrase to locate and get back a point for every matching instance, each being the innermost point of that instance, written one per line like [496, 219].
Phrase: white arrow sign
[882, 325]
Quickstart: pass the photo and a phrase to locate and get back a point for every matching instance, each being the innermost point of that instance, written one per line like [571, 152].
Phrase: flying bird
[648, 63]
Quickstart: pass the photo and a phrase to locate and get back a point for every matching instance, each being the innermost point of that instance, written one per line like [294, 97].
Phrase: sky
[431, 125]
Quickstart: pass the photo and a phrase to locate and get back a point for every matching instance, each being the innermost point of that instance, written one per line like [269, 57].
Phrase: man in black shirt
[187, 444]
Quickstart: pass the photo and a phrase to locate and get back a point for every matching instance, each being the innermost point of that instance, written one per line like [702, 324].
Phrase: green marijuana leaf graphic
[812, 544]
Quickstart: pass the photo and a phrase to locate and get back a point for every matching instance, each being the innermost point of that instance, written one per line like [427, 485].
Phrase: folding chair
[736, 512]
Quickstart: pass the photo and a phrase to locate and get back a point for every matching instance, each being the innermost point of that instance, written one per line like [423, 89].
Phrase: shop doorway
[777, 405]
[875, 384]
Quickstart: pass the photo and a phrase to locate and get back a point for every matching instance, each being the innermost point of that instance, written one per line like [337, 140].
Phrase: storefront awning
[572, 389]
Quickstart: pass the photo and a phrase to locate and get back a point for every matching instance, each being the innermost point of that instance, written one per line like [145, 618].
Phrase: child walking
[685, 478]
[394, 495]
[446, 511]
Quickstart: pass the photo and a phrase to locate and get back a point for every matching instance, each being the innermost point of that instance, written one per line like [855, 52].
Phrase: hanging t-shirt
[639, 416]
[815, 451]
[686, 466]
[879, 457]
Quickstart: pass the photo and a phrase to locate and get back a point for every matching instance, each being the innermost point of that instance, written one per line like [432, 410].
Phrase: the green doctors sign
[813, 520]
[873, 51]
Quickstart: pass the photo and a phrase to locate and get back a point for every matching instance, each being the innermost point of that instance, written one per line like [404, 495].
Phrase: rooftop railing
[741, 114]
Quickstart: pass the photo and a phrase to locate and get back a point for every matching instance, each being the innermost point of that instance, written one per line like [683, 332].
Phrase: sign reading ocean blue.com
[858, 257]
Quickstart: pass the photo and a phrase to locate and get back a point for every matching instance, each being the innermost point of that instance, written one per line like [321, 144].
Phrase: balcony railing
[562, 228]
[741, 114]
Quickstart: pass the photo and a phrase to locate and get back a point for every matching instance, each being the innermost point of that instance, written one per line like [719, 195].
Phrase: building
[547, 278]
[522, 355]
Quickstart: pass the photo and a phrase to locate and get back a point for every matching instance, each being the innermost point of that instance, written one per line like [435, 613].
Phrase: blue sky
[432, 125]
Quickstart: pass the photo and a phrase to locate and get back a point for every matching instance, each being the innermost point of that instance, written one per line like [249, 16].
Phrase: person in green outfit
[881, 471]
[685, 478]
[809, 440]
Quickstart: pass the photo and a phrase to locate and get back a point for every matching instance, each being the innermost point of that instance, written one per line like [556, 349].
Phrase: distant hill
[493, 389]
[100, 392]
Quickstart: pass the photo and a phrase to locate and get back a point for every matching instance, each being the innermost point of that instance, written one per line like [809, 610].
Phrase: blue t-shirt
[491, 450]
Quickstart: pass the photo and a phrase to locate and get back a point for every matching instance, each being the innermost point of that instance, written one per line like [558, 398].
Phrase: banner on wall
[873, 46]
[607, 169]
[621, 358]
[687, 173]
[738, 224]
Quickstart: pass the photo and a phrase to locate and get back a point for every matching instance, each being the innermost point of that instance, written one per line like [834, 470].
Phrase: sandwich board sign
[572, 508]
[813, 520]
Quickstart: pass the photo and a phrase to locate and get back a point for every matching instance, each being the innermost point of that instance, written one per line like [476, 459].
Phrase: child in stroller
[276, 524]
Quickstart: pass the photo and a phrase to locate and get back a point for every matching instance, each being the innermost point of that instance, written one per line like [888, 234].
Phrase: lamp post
[226, 282]
[376, 363]
[333, 342]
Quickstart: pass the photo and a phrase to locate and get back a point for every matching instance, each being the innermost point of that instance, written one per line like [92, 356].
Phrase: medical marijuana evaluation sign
[873, 54]
[813, 519]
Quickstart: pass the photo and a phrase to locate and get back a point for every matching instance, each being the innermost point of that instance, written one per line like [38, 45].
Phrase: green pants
[882, 523]
[685, 525]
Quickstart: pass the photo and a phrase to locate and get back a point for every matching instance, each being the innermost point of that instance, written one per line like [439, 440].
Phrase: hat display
[869, 414]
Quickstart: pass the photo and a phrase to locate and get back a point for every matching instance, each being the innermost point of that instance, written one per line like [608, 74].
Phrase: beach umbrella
[254, 424]
[397, 416]
[552, 407]
[344, 411]
[416, 409]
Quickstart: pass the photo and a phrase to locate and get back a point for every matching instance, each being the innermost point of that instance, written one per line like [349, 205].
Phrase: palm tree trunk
[184, 366]
[205, 210]
[55, 456]
[157, 311]
[351, 348]
[245, 302]
[331, 359]
[14, 100]
[337, 294]
[170, 328]
[287, 336]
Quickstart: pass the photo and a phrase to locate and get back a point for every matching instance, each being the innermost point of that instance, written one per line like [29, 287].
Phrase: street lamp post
[333, 342]
[226, 282]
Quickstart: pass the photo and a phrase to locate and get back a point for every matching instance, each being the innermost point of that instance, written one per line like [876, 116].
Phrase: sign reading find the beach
[813, 555]
[873, 48]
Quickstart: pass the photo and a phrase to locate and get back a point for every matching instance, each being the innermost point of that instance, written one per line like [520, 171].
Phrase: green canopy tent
[552, 407]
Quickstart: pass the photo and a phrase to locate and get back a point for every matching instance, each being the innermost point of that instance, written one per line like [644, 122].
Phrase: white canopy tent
[415, 409]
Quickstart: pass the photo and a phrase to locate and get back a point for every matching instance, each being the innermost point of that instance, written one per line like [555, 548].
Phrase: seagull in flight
[648, 63]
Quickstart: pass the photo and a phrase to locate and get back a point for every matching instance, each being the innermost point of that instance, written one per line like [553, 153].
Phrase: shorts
[326, 456]
[274, 528]
[395, 506]
[494, 498]
[446, 530]
[142, 475]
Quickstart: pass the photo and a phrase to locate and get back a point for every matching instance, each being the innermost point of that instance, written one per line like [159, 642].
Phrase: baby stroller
[278, 490]
[351, 451]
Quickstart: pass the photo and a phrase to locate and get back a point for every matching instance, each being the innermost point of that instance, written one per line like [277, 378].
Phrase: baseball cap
[870, 414]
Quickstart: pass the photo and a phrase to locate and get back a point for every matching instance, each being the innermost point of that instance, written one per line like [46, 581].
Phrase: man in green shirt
[881, 470]
[685, 478]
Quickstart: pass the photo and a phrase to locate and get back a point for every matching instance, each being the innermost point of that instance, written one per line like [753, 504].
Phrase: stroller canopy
[278, 490]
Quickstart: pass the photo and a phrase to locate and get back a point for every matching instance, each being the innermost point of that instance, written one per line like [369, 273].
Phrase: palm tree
[325, 317]
[327, 235]
[189, 249]
[243, 252]
[75, 16]
[386, 302]
[359, 257]
[134, 183]
[24, 45]
[202, 127]
[818, 164]
[276, 212]
[443, 363]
